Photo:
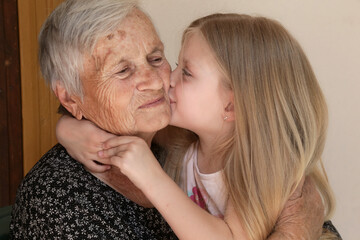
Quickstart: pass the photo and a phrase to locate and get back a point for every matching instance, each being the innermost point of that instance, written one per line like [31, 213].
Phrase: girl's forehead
[195, 46]
[190, 43]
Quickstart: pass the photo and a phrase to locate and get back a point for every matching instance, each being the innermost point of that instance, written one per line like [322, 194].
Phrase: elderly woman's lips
[153, 103]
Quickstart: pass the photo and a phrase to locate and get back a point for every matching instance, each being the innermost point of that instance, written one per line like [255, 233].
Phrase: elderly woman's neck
[120, 183]
[148, 137]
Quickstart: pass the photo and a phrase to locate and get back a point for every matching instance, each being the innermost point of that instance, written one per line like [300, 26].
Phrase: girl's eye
[186, 73]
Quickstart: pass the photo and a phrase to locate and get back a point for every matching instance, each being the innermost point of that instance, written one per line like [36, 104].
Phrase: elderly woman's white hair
[73, 29]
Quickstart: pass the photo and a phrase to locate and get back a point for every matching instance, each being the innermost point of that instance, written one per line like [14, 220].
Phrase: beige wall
[329, 32]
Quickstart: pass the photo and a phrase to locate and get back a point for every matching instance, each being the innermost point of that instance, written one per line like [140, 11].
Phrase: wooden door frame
[39, 104]
[11, 153]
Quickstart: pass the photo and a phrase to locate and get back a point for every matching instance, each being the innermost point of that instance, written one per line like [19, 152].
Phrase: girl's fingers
[105, 136]
[103, 161]
[115, 160]
[118, 140]
[107, 153]
[87, 157]
[118, 162]
[95, 167]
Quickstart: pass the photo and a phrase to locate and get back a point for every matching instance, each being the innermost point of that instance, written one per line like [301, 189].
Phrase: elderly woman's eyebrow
[115, 65]
[158, 48]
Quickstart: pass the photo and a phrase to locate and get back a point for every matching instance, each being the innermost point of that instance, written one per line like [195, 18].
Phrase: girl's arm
[82, 140]
[188, 221]
[301, 218]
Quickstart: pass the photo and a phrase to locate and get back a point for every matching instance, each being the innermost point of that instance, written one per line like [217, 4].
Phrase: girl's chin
[176, 124]
[173, 122]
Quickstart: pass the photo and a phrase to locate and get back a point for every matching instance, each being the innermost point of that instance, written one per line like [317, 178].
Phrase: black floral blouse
[59, 199]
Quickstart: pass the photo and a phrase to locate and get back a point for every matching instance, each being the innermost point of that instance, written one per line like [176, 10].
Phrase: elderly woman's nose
[150, 79]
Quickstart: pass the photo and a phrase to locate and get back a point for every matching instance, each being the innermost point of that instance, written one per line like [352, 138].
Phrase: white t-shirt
[206, 190]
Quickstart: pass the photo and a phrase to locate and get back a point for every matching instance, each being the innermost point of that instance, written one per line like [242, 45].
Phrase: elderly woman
[105, 62]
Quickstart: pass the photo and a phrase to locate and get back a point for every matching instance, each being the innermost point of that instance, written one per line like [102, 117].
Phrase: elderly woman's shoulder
[57, 159]
[56, 166]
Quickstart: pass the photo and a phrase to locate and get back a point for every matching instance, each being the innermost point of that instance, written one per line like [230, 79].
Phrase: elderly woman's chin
[153, 119]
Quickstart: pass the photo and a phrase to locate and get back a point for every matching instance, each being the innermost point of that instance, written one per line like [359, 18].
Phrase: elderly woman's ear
[70, 102]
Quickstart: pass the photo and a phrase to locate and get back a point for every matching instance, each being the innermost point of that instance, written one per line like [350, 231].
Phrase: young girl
[258, 119]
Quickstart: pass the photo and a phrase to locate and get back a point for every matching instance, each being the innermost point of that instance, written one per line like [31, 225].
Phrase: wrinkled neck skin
[120, 183]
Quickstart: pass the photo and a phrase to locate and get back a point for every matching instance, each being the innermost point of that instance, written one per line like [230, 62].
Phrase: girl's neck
[208, 162]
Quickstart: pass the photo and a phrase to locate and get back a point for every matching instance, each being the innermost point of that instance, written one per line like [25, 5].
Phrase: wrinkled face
[198, 98]
[126, 79]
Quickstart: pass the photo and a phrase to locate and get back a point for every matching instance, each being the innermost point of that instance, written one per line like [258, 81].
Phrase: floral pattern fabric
[59, 199]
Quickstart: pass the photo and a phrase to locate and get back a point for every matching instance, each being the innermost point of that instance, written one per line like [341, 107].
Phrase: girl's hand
[82, 140]
[134, 158]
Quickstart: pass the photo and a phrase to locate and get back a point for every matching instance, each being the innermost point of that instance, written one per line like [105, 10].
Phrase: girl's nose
[174, 77]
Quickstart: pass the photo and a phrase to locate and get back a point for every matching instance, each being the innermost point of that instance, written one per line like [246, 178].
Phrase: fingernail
[101, 153]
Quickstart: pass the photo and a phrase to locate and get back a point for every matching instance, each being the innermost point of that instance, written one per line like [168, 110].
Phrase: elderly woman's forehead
[134, 38]
[136, 26]
[136, 18]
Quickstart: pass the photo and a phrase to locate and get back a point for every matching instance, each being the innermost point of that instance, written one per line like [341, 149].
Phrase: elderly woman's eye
[156, 61]
[124, 72]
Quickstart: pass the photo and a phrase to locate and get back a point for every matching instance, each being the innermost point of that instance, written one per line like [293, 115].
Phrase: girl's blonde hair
[281, 118]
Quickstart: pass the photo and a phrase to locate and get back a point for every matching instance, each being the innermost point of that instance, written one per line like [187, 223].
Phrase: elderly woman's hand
[82, 140]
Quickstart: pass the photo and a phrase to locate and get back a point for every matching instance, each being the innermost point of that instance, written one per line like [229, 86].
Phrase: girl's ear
[229, 113]
[68, 101]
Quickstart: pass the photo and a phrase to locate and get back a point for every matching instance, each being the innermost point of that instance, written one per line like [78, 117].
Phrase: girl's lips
[153, 103]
